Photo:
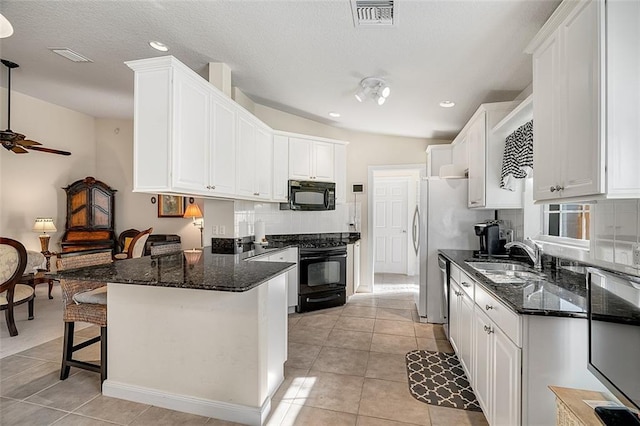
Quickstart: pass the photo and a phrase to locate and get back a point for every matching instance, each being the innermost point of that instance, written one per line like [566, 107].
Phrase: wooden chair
[92, 313]
[13, 260]
[136, 247]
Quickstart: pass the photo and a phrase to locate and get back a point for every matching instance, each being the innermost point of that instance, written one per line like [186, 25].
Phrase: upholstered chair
[13, 261]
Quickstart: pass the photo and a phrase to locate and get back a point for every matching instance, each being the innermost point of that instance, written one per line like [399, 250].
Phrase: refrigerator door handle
[416, 230]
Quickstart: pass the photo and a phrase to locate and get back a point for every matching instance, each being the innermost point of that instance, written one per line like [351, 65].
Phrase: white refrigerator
[445, 222]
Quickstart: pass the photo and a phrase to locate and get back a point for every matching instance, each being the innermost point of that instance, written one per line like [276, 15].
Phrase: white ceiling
[300, 56]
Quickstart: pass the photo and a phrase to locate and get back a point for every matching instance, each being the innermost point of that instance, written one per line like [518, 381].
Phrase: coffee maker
[489, 233]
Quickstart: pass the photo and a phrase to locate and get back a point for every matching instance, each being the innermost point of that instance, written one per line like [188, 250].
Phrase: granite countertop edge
[456, 256]
[215, 272]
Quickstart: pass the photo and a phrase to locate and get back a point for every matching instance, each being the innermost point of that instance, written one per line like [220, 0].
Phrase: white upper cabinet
[280, 168]
[340, 172]
[485, 150]
[311, 159]
[222, 149]
[192, 139]
[254, 158]
[587, 101]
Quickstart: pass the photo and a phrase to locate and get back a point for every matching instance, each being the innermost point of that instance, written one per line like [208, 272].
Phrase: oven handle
[324, 299]
[322, 257]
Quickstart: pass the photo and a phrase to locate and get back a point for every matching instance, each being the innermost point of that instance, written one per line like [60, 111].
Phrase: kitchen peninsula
[201, 334]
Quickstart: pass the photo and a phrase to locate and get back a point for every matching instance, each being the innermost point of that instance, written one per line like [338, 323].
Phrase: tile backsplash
[345, 218]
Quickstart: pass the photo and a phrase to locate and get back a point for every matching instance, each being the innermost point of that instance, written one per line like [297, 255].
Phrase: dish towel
[517, 162]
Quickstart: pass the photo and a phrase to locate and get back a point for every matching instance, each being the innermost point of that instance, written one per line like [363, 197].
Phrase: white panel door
[391, 226]
[507, 380]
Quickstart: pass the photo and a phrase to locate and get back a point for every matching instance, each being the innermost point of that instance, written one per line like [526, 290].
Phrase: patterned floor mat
[438, 379]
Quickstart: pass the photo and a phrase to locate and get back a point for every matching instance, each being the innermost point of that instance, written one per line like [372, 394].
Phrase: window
[567, 221]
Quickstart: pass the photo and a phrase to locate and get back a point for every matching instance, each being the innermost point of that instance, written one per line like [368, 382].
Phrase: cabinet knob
[488, 329]
[256, 193]
[552, 189]
[213, 187]
[466, 284]
[559, 188]
[488, 307]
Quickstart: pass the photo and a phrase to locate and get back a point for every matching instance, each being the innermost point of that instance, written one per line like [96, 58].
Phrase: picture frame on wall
[171, 205]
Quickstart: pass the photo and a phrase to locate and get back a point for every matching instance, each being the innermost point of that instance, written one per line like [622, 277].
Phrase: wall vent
[373, 13]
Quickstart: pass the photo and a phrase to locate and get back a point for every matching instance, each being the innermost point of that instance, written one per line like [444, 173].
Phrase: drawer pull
[466, 284]
[488, 329]
[488, 307]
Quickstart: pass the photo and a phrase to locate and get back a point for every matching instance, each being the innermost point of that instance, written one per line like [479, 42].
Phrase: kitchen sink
[506, 273]
[495, 266]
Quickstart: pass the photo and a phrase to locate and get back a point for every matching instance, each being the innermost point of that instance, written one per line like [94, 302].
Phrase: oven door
[322, 272]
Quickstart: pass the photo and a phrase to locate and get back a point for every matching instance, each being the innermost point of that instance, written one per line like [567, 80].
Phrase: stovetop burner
[321, 244]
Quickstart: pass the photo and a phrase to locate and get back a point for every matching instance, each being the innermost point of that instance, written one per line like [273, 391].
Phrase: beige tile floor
[345, 367]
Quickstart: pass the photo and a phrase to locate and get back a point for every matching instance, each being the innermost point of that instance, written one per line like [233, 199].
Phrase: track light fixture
[375, 88]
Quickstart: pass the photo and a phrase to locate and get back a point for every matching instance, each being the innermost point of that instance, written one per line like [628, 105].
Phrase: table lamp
[193, 211]
[44, 225]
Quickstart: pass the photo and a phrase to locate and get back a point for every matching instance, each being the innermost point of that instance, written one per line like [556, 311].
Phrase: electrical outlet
[222, 229]
[214, 229]
[636, 254]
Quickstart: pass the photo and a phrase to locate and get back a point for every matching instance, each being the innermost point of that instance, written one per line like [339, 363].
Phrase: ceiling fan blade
[49, 150]
[28, 142]
[19, 150]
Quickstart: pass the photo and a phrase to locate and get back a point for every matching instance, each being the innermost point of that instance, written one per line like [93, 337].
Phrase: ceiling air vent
[373, 13]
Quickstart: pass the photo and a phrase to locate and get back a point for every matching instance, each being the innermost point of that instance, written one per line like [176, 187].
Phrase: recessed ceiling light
[70, 54]
[5, 27]
[159, 46]
[447, 104]
[334, 114]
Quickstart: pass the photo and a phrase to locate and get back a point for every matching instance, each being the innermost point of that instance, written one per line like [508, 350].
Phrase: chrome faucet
[534, 251]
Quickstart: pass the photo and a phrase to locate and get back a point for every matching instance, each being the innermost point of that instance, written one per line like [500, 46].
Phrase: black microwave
[310, 196]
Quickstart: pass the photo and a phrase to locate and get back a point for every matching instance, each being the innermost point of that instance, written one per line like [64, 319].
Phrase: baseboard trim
[187, 404]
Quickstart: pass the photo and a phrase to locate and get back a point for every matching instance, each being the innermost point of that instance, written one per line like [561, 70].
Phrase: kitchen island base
[212, 353]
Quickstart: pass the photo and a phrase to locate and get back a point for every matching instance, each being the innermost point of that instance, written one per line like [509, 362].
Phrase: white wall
[31, 184]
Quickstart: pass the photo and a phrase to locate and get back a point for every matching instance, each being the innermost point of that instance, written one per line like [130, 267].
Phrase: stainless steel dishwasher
[443, 265]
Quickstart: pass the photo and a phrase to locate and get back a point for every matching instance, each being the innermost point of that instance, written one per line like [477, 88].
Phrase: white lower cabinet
[288, 255]
[497, 376]
[461, 316]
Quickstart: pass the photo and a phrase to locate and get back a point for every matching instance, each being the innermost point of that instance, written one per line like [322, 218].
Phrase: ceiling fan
[17, 142]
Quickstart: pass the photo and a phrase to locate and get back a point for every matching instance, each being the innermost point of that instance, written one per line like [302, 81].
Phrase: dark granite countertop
[220, 272]
[562, 293]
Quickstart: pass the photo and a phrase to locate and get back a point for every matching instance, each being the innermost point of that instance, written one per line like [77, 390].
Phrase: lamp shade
[193, 211]
[44, 225]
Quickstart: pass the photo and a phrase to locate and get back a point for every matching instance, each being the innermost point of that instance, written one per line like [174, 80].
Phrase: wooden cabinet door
[482, 361]
[280, 168]
[547, 119]
[506, 379]
[476, 145]
[323, 161]
[582, 125]
[263, 163]
[191, 134]
[222, 150]
[300, 155]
